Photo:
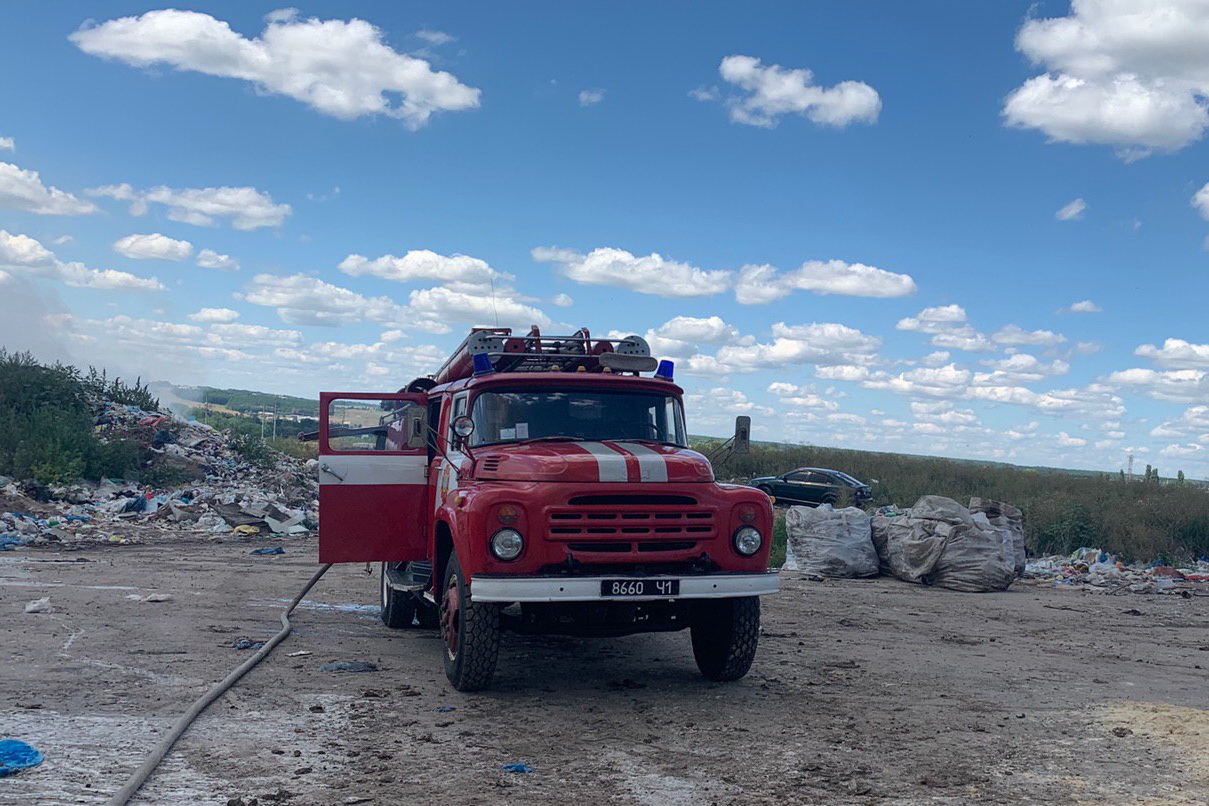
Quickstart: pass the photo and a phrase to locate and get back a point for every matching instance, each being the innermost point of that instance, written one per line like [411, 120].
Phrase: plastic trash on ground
[16, 755]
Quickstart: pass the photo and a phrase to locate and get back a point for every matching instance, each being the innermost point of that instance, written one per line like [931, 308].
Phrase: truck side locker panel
[371, 494]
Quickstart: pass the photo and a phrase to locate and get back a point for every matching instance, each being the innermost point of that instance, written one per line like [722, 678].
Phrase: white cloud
[341, 68]
[936, 359]
[1201, 201]
[153, 247]
[817, 343]
[8, 144]
[422, 264]
[1180, 385]
[794, 396]
[704, 93]
[1192, 424]
[1190, 449]
[25, 255]
[773, 91]
[1085, 306]
[234, 334]
[757, 284]
[1176, 354]
[563, 300]
[682, 336]
[724, 400]
[1019, 368]
[1067, 441]
[1127, 73]
[23, 251]
[433, 310]
[947, 326]
[1072, 211]
[590, 97]
[1016, 335]
[214, 315]
[651, 274]
[209, 259]
[435, 37]
[304, 300]
[23, 190]
[246, 207]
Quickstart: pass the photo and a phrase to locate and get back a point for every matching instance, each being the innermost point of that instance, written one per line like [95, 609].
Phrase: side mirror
[742, 442]
[417, 426]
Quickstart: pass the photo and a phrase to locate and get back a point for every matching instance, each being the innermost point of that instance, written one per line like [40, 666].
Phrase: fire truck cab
[543, 485]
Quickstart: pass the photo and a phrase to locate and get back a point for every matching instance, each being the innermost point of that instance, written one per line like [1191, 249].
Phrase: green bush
[46, 423]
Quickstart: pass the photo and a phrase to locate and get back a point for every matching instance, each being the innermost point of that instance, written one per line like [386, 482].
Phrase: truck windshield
[519, 416]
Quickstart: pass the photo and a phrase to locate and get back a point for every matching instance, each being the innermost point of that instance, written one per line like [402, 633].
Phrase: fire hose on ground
[140, 776]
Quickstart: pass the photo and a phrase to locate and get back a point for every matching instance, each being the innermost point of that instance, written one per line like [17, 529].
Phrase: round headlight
[748, 540]
[507, 544]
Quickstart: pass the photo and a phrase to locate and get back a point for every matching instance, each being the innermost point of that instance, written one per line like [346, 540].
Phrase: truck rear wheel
[725, 633]
[470, 632]
[398, 607]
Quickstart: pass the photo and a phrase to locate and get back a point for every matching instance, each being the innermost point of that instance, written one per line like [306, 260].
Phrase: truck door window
[367, 425]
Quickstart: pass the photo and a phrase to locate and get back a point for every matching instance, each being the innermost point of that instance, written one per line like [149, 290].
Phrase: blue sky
[903, 197]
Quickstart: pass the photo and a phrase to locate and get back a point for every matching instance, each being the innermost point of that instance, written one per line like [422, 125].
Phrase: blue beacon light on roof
[666, 370]
[482, 364]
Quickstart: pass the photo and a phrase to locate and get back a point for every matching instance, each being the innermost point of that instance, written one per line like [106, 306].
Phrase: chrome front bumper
[587, 589]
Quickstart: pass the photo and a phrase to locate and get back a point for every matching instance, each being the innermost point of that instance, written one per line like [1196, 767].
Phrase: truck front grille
[655, 525]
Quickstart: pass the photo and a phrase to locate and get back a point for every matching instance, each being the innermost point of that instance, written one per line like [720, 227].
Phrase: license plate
[640, 587]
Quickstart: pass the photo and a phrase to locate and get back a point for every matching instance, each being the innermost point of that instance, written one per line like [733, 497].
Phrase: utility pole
[1129, 473]
[274, 421]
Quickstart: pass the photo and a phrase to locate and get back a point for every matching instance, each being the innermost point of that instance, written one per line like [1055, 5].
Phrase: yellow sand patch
[1186, 729]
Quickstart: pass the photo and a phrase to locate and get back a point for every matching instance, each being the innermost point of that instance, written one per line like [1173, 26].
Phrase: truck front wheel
[470, 632]
[725, 634]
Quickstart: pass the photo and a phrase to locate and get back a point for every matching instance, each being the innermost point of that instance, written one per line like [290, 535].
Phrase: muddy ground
[863, 692]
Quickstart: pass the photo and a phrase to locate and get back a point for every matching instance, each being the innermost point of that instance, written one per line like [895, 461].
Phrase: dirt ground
[862, 692]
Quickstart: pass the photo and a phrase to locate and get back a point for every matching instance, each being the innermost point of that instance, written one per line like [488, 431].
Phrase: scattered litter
[16, 755]
[247, 643]
[157, 597]
[1095, 570]
[518, 767]
[40, 606]
[274, 550]
[444, 709]
[348, 666]
[298, 654]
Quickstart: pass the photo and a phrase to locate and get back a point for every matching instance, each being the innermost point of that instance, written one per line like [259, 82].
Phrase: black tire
[470, 632]
[830, 498]
[429, 615]
[398, 607]
[725, 634]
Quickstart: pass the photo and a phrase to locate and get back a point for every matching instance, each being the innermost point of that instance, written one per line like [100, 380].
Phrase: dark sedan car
[814, 485]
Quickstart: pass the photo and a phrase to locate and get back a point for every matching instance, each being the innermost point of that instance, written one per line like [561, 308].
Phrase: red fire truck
[544, 485]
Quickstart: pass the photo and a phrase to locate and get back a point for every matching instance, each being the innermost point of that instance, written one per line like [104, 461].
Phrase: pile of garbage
[221, 491]
[936, 542]
[1093, 569]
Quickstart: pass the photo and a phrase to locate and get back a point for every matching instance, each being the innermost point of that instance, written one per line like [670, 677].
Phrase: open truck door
[373, 458]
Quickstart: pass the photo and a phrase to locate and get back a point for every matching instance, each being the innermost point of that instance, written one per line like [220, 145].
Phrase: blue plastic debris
[248, 643]
[16, 755]
[518, 766]
[8, 541]
[444, 709]
[274, 550]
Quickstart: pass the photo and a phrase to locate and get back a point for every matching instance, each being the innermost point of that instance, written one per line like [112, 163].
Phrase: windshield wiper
[550, 438]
